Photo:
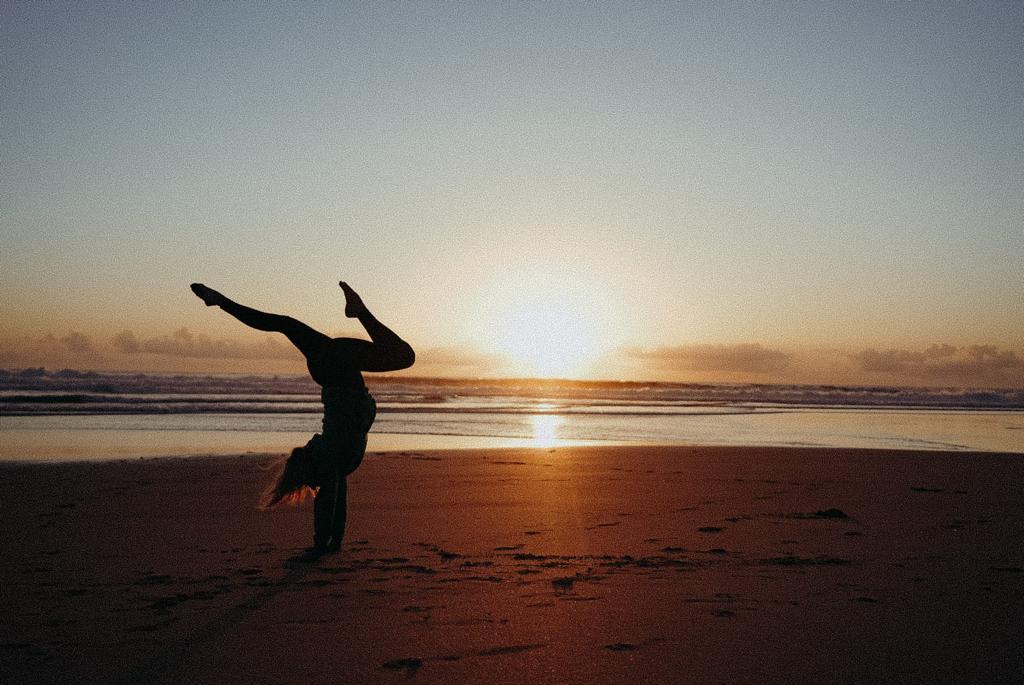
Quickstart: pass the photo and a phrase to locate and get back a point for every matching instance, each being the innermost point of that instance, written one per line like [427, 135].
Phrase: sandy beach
[569, 565]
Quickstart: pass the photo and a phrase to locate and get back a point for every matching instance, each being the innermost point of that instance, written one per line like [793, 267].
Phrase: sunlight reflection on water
[54, 437]
[545, 429]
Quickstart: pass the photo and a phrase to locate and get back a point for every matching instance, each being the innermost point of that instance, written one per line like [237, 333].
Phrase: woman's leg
[300, 335]
[329, 513]
[388, 351]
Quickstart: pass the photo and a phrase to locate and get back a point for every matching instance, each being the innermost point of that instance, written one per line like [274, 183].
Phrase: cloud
[184, 343]
[125, 341]
[739, 358]
[461, 359]
[70, 349]
[77, 342]
[72, 342]
[970, 364]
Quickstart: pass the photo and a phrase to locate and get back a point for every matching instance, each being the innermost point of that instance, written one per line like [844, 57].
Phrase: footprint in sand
[562, 585]
[412, 664]
[603, 525]
[631, 647]
[511, 649]
[409, 665]
[820, 560]
[413, 609]
[831, 513]
[444, 554]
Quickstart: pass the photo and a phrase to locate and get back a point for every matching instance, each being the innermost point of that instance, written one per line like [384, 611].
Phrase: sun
[547, 325]
[549, 339]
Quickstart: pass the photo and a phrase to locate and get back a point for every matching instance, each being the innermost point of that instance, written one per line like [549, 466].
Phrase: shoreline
[514, 445]
[570, 564]
[7, 461]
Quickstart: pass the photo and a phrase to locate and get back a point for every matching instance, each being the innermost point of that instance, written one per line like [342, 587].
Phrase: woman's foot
[308, 556]
[354, 307]
[209, 296]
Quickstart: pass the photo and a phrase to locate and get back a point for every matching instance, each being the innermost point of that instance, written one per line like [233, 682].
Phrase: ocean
[75, 415]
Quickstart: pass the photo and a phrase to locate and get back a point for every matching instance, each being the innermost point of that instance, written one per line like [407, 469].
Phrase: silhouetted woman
[336, 365]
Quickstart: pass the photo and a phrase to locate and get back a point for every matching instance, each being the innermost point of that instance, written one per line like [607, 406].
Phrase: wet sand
[573, 565]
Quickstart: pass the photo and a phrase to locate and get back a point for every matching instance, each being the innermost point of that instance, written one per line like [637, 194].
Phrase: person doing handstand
[336, 365]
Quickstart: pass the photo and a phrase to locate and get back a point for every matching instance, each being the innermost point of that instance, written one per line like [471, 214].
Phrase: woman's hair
[294, 480]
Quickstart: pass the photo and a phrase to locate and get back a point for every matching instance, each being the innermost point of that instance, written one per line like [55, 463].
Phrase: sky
[776, 192]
